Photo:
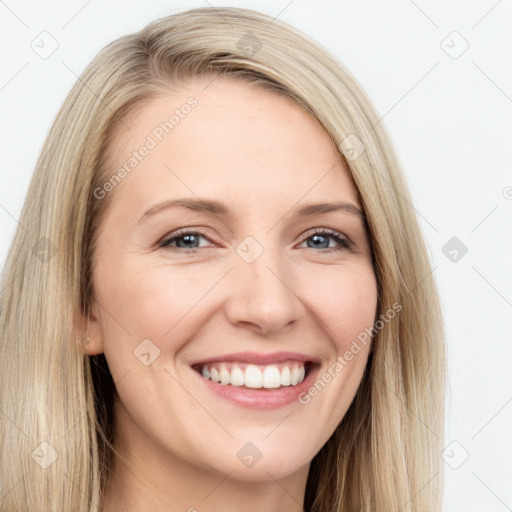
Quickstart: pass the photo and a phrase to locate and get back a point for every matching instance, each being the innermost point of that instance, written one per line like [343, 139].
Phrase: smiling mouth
[255, 376]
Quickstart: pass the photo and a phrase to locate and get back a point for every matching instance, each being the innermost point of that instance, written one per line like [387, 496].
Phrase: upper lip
[257, 358]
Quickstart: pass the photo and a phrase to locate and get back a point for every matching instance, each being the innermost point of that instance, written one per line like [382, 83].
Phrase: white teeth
[285, 376]
[269, 376]
[294, 378]
[253, 377]
[237, 377]
[224, 375]
[215, 375]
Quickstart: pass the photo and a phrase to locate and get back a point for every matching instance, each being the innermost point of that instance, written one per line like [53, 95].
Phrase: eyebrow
[218, 208]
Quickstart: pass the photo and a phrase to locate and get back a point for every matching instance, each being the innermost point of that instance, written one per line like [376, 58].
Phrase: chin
[280, 464]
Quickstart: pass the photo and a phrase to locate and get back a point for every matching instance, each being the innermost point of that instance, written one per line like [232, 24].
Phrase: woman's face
[257, 283]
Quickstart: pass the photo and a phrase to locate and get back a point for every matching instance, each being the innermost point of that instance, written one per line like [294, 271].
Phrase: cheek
[163, 298]
[345, 304]
[345, 300]
[152, 302]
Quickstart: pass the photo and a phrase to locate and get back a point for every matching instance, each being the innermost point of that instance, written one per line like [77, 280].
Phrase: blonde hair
[385, 454]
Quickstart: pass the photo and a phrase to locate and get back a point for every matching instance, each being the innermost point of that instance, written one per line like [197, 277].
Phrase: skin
[261, 155]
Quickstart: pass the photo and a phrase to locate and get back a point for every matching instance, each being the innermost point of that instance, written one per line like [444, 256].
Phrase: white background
[450, 120]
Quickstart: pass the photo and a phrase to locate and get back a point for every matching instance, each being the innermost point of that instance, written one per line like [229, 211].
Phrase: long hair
[56, 409]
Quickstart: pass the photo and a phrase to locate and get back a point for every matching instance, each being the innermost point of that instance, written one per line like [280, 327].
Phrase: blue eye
[189, 240]
[184, 240]
[321, 237]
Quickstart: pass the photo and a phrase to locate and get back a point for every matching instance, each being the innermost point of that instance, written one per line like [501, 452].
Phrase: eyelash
[335, 235]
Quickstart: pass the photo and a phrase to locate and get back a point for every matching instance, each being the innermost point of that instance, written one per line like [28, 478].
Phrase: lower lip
[261, 398]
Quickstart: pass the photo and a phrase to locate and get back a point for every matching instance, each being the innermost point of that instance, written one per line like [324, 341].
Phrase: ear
[90, 326]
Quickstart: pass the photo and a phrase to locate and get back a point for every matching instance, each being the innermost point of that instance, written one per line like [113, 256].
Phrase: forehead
[229, 139]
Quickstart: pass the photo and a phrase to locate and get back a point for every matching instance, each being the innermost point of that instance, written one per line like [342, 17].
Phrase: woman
[258, 368]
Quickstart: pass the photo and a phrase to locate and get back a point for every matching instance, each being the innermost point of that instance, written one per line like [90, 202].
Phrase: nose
[262, 296]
